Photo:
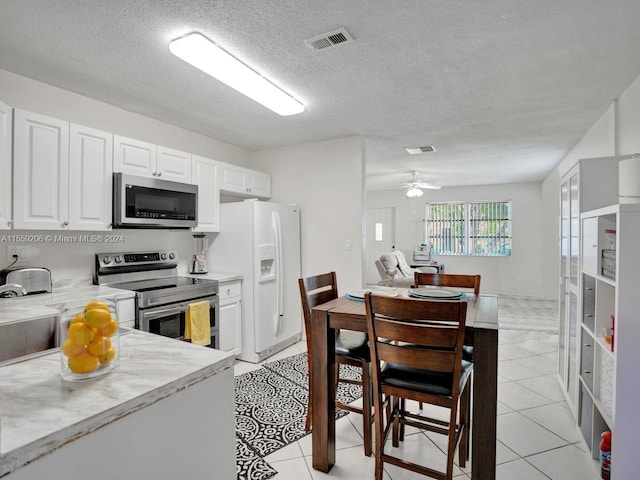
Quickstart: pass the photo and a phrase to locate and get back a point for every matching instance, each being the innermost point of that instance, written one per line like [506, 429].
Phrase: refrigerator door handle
[277, 231]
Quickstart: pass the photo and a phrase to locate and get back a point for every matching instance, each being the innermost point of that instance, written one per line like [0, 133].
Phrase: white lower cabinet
[230, 317]
[126, 312]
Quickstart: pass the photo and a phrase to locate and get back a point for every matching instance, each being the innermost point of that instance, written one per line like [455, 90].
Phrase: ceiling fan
[415, 186]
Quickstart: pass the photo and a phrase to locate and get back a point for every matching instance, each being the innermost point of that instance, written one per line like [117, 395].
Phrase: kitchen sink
[27, 337]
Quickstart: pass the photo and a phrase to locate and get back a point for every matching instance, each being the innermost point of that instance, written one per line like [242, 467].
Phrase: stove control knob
[107, 260]
[172, 255]
[163, 256]
[118, 259]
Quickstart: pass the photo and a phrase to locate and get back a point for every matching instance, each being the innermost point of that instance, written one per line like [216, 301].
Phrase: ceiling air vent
[329, 39]
[418, 150]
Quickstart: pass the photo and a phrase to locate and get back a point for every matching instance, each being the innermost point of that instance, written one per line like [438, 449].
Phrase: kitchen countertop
[39, 412]
[221, 277]
[33, 306]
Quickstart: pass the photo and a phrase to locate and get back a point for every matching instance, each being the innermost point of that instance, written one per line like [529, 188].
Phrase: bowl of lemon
[88, 339]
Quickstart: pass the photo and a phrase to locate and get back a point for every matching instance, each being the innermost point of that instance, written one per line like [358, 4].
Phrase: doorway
[380, 238]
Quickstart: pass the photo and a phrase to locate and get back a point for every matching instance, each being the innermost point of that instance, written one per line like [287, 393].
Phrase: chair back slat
[436, 360]
[448, 280]
[444, 336]
[316, 290]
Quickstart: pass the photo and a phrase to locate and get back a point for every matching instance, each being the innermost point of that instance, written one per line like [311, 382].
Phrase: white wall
[520, 273]
[73, 260]
[326, 180]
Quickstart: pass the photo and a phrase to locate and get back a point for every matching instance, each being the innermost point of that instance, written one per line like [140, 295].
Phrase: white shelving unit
[609, 382]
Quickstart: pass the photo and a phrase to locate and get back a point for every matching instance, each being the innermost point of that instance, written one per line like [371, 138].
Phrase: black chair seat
[467, 353]
[353, 345]
[426, 381]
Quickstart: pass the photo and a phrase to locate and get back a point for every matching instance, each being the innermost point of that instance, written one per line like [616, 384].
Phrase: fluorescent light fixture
[419, 150]
[414, 192]
[205, 55]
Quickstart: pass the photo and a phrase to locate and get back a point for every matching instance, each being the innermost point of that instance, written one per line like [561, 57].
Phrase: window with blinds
[471, 228]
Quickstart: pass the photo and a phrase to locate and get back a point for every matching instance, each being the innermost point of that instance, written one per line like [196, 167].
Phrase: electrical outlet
[21, 251]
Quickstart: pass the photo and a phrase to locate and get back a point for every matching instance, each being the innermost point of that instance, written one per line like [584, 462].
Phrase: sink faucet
[12, 290]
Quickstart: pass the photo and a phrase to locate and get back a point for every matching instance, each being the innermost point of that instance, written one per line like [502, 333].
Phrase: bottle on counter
[605, 456]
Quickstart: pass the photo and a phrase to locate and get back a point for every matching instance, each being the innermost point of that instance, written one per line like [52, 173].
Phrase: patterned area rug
[271, 408]
[519, 312]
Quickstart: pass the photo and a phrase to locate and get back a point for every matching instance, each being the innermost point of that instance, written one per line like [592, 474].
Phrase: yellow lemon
[99, 345]
[77, 319]
[80, 334]
[71, 349]
[96, 304]
[97, 318]
[107, 356]
[110, 329]
[83, 363]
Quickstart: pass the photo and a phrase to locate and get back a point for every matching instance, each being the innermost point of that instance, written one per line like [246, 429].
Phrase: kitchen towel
[197, 325]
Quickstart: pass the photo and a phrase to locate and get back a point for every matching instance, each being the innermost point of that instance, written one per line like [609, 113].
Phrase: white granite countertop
[31, 306]
[40, 413]
[221, 277]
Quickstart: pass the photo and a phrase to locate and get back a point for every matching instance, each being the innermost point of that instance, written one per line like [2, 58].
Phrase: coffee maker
[199, 260]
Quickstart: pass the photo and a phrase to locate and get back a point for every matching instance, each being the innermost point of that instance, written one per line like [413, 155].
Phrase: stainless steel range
[162, 297]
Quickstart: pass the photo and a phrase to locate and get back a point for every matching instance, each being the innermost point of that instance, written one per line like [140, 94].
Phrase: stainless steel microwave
[140, 202]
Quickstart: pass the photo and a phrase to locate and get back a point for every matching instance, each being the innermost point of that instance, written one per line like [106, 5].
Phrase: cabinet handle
[159, 173]
[64, 224]
[594, 246]
[587, 345]
[589, 289]
[587, 372]
[588, 315]
[228, 291]
[110, 226]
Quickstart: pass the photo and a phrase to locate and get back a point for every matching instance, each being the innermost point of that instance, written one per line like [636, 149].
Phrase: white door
[173, 165]
[5, 166]
[380, 238]
[134, 157]
[41, 172]
[276, 273]
[232, 180]
[205, 175]
[90, 178]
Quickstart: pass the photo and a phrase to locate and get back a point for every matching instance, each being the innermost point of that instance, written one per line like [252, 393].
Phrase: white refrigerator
[261, 240]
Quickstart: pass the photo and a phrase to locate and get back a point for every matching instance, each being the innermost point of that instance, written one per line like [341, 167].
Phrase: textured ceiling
[503, 89]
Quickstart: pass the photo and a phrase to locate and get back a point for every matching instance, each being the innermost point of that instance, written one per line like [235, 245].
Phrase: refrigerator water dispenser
[267, 257]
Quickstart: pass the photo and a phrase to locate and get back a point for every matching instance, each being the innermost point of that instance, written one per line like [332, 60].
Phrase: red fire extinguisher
[605, 456]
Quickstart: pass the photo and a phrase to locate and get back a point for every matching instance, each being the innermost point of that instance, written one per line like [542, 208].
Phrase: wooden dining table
[481, 332]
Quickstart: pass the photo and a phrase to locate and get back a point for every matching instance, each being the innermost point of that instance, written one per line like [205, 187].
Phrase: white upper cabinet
[173, 165]
[148, 160]
[41, 171]
[205, 175]
[90, 178]
[134, 157]
[5, 166]
[244, 182]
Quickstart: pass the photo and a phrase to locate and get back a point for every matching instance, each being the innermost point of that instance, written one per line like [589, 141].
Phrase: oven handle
[165, 312]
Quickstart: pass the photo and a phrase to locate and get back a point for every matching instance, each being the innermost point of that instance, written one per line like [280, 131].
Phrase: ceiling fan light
[414, 192]
[205, 55]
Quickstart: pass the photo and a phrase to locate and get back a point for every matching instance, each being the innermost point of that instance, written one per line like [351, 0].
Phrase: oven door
[169, 320]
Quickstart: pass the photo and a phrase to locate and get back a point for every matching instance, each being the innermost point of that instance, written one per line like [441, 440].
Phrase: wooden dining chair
[320, 289]
[448, 280]
[467, 282]
[423, 362]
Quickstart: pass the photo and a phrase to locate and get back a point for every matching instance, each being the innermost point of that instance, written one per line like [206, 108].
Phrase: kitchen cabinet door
[259, 184]
[230, 317]
[5, 165]
[90, 178]
[41, 172]
[173, 165]
[244, 182]
[134, 157]
[205, 175]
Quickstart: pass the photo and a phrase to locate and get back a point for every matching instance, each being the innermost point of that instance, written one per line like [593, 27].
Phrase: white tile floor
[537, 435]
